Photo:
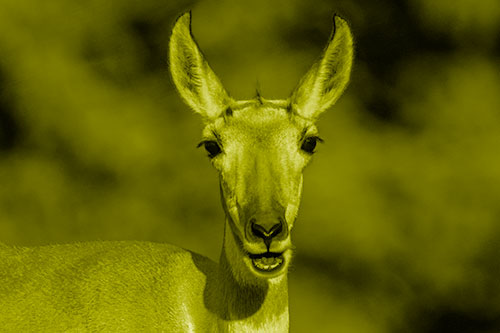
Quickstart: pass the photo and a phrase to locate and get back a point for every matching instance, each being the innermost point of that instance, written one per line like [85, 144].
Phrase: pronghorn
[260, 148]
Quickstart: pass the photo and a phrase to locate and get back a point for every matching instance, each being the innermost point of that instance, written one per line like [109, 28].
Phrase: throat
[249, 303]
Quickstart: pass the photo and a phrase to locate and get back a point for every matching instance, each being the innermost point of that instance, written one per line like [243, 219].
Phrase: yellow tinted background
[399, 224]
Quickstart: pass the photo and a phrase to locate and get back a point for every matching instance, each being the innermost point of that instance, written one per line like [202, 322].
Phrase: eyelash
[308, 145]
[212, 147]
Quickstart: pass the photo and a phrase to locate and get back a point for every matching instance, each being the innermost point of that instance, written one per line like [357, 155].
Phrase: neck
[248, 303]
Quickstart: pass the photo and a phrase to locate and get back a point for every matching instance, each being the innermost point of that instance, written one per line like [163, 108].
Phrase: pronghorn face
[260, 147]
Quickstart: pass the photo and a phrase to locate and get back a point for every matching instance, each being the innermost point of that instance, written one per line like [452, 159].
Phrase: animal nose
[267, 231]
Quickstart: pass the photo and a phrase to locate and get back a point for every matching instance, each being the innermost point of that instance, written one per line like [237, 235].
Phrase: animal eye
[212, 147]
[309, 144]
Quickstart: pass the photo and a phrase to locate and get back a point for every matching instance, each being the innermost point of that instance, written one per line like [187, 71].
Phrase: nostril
[258, 230]
[261, 232]
[276, 229]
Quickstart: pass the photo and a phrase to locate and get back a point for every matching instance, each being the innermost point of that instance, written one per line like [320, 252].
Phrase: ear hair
[328, 77]
[194, 79]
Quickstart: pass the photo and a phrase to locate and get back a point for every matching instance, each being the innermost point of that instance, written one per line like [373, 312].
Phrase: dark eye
[212, 147]
[309, 144]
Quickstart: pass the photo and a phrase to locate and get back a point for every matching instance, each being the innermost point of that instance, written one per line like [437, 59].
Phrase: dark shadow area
[447, 318]
[224, 296]
[348, 274]
[10, 126]
[426, 310]
[150, 35]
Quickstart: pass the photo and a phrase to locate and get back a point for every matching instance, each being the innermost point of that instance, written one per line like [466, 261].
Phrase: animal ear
[328, 77]
[196, 82]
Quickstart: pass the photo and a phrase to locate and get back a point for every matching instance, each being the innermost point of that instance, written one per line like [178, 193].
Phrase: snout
[266, 229]
[267, 243]
[261, 215]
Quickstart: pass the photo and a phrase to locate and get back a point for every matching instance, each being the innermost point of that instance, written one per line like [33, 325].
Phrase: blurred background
[399, 228]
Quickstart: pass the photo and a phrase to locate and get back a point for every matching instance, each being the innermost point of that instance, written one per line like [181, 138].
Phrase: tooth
[267, 263]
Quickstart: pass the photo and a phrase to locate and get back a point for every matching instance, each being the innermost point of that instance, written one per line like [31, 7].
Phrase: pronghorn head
[260, 147]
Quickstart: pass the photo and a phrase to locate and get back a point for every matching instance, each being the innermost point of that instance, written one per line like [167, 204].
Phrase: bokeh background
[399, 225]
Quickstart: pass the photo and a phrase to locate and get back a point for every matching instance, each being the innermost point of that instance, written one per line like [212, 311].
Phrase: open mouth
[267, 262]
